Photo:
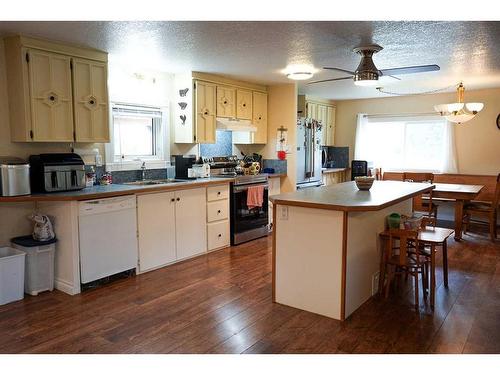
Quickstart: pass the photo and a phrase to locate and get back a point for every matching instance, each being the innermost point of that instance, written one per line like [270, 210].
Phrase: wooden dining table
[460, 193]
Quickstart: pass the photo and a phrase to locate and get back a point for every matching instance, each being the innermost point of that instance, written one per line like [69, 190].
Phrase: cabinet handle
[218, 211]
[52, 98]
[220, 235]
[244, 105]
[260, 118]
[172, 200]
[225, 102]
[91, 102]
[218, 193]
[178, 199]
[205, 113]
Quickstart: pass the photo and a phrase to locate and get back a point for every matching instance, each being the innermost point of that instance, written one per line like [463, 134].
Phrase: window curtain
[362, 121]
[449, 150]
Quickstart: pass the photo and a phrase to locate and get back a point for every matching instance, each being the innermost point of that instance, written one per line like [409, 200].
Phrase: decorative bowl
[364, 182]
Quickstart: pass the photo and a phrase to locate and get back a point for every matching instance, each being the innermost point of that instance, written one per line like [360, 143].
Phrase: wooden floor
[221, 303]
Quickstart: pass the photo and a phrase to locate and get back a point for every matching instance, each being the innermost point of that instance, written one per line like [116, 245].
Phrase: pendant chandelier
[459, 112]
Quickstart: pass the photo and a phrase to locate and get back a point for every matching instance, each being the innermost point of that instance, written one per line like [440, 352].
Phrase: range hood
[233, 124]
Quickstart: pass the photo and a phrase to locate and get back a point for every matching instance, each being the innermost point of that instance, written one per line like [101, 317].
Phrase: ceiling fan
[367, 74]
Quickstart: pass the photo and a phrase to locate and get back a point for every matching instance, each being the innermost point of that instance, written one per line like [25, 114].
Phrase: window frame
[160, 138]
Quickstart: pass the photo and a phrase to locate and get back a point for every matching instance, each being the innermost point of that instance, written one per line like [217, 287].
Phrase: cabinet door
[226, 102]
[156, 227]
[205, 98]
[244, 104]
[312, 110]
[330, 141]
[50, 91]
[260, 117]
[190, 222]
[90, 98]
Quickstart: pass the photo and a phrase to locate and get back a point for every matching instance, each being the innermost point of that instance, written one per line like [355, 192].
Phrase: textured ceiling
[259, 51]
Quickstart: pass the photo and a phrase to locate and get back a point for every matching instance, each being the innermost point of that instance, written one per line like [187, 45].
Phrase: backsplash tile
[279, 166]
[119, 177]
[223, 145]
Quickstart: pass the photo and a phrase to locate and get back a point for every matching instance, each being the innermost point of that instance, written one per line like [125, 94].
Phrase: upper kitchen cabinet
[226, 102]
[244, 104]
[57, 92]
[205, 107]
[260, 117]
[321, 110]
[90, 101]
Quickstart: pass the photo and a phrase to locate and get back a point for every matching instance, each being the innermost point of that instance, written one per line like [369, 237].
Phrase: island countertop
[347, 197]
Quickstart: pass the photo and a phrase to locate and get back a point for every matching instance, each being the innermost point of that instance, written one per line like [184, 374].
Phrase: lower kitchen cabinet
[156, 227]
[190, 222]
[218, 217]
[171, 226]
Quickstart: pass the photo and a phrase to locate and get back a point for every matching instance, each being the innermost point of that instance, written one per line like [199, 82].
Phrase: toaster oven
[56, 172]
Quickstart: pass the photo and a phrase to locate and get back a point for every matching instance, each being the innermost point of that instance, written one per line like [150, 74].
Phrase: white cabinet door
[156, 226]
[190, 222]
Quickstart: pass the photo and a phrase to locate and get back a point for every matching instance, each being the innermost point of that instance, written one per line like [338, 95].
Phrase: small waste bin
[39, 274]
[11, 275]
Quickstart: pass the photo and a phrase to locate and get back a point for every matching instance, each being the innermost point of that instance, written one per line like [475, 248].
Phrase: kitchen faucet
[143, 170]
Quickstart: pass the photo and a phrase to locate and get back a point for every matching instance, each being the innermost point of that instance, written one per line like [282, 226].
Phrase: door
[226, 102]
[244, 104]
[50, 96]
[330, 129]
[190, 222]
[90, 98]
[156, 227]
[260, 117]
[205, 106]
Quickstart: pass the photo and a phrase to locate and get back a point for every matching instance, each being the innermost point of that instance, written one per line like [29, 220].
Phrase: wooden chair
[422, 203]
[484, 209]
[408, 261]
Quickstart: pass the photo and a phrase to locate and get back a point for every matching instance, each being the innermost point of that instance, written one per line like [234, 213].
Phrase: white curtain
[362, 120]
[449, 150]
[406, 143]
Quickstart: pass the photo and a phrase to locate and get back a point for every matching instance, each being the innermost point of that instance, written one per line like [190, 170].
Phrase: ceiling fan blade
[339, 70]
[410, 70]
[329, 80]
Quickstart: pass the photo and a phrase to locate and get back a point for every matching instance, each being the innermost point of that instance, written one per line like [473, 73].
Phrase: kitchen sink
[154, 182]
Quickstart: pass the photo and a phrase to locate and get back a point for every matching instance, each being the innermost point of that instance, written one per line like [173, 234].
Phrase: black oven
[248, 224]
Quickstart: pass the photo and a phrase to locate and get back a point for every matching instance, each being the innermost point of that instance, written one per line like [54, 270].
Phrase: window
[137, 133]
[418, 143]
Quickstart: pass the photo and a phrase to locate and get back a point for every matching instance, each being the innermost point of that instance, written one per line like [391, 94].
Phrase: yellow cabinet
[260, 117]
[226, 102]
[90, 98]
[330, 126]
[42, 85]
[50, 96]
[244, 104]
[205, 107]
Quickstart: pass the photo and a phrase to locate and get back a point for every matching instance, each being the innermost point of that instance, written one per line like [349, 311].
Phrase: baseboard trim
[66, 287]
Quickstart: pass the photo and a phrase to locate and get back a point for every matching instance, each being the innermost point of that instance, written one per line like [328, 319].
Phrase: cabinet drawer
[215, 193]
[218, 235]
[217, 210]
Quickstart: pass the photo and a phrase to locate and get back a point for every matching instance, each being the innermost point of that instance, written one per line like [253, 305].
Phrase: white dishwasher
[108, 237]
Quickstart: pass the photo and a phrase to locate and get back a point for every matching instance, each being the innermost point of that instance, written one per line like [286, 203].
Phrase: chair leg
[389, 279]
[416, 289]
[424, 292]
[493, 225]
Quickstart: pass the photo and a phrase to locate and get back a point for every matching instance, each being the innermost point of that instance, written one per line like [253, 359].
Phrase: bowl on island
[364, 182]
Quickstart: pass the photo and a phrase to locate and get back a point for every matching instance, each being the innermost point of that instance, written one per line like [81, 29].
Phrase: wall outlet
[375, 281]
[284, 212]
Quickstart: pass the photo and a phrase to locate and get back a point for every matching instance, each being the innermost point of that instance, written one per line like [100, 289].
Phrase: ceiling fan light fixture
[299, 76]
[474, 107]
[365, 78]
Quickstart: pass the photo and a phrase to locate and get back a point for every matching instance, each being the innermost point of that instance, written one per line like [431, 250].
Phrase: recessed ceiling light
[299, 76]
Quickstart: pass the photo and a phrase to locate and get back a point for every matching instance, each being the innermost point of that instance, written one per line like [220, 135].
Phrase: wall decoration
[183, 92]
[183, 119]
[183, 105]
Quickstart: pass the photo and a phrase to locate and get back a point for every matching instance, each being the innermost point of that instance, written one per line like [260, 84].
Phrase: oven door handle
[238, 189]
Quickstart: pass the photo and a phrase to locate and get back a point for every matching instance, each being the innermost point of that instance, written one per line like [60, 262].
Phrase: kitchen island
[326, 257]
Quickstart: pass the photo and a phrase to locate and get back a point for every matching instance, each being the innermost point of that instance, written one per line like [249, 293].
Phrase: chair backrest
[404, 236]
[418, 177]
[428, 222]
[359, 168]
[496, 197]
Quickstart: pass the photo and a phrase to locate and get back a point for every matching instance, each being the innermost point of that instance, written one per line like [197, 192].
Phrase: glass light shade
[299, 76]
[455, 107]
[474, 107]
[441, 108]
[367, 82]
[460, 118]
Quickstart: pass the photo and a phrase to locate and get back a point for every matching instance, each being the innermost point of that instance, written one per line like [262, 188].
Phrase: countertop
[346, 196]
[115, 190]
